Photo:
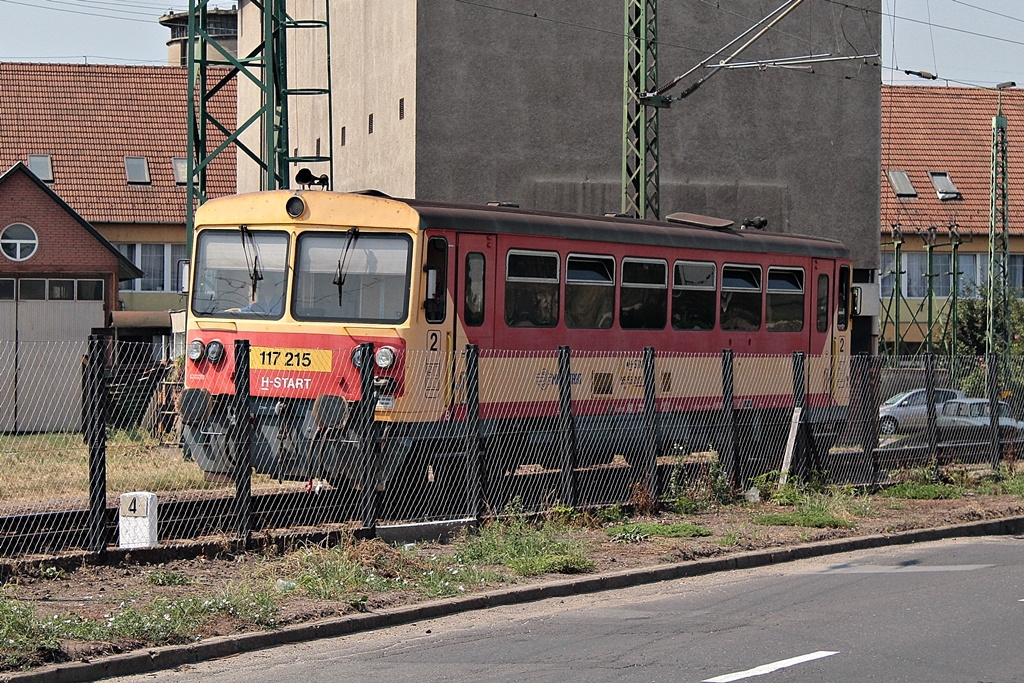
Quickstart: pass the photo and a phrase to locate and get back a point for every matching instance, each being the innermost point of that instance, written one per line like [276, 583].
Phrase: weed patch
[804, 517]
[679, 530]
[915, 490]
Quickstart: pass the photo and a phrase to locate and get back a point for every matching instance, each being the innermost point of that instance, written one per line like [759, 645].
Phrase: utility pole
[211, 66]
[640, 179]
[998, 332]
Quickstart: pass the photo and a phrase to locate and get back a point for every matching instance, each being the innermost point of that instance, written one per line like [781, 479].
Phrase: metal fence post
[993, 410]
[865, 377]
[566, 428]
[794, 446]
[729, 457]
[241, 443]
[95, 428]
[474, 454]
[929, 392]
[367, 442]
[650, 423]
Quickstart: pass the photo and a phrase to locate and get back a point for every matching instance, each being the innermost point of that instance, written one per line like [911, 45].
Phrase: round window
[18, 241]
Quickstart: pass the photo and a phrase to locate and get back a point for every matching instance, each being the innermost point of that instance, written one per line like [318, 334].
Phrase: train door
[821, 328]
[474, 291]
[474, 300]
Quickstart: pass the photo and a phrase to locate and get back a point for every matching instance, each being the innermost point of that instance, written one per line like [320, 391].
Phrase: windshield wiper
[339, 277]
[252, 258]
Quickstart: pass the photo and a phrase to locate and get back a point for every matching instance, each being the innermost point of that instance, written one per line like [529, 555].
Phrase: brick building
[58, 282]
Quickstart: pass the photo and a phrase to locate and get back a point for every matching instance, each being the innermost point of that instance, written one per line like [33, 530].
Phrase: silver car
[908, 411]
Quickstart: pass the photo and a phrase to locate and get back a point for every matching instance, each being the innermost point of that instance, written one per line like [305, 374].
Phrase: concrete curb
[156, 659]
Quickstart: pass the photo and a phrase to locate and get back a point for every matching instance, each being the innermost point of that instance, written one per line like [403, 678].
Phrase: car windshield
[897, 398]
[240, 274]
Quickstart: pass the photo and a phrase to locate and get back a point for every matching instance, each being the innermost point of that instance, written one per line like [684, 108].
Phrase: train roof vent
[698, 221]
[505, 205]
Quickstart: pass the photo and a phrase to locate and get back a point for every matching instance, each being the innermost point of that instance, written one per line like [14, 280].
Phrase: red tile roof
[88, 117]
[949, 129]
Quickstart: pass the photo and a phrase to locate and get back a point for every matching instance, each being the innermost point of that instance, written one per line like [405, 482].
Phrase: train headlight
[357, 357]
[215, 352]
[196, 349]
[295, 207]
[385, 357]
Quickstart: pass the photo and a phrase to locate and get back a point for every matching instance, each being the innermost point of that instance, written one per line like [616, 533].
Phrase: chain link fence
[459, 435]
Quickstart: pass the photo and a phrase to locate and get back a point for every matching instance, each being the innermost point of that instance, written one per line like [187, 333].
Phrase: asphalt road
[945, 611]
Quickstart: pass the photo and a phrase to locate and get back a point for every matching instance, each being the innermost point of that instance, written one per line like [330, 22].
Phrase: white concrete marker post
[137, 520]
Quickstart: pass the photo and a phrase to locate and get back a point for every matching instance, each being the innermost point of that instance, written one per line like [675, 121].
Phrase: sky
[973, 42]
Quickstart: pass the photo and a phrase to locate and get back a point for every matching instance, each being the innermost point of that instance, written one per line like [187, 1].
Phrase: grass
[917, 490]
[678, 530]
[55, 467]
[525, 547]
[804, 517]
[27, 639]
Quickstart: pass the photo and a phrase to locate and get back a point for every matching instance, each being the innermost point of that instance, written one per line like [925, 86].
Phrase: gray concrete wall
[528, 109]
[373, 67]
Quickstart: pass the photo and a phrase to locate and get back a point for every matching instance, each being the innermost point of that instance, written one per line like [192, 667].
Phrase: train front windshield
[352, 276]
[240, 274]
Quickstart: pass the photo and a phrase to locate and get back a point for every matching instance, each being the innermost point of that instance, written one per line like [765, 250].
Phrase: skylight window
[136, 169]
[180, 167]
[41, 165]
[901, 185]
[944, 186]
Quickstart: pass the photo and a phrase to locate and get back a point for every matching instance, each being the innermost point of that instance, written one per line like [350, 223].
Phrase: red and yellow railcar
[308, 276]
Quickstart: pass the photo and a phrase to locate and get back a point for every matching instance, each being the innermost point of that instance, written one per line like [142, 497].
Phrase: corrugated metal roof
[89, 117]
[943, 129]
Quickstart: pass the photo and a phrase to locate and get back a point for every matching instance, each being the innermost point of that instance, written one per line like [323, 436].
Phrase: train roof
[616, 229]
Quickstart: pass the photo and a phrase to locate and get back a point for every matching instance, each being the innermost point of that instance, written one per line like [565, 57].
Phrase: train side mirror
[432, 293]
[184, 273]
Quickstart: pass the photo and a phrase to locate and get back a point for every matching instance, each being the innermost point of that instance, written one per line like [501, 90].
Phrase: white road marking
[898, 569]
[768, 668]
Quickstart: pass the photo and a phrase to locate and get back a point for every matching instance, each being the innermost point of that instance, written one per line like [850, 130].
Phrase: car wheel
[888, 425]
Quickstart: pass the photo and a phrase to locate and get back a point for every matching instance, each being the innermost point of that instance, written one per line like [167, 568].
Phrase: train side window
[741, 298]
[823, 295]
[473, 304]
[589, 291]
[643, 298]
[531, 288]
[784, 309]
[693, 295]
[843, 306]
[436, 269]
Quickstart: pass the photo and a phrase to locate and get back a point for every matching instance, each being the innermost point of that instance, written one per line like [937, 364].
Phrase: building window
[90, 290]
[943, 185]
[18, 242]
[401, 108]
[6, 290]
[901, 185]
[159, 262]
[344, 137]
[136, 170]
[180, 167]
[42, 166]
[32, 290]
[60, 290]
[371, 124]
